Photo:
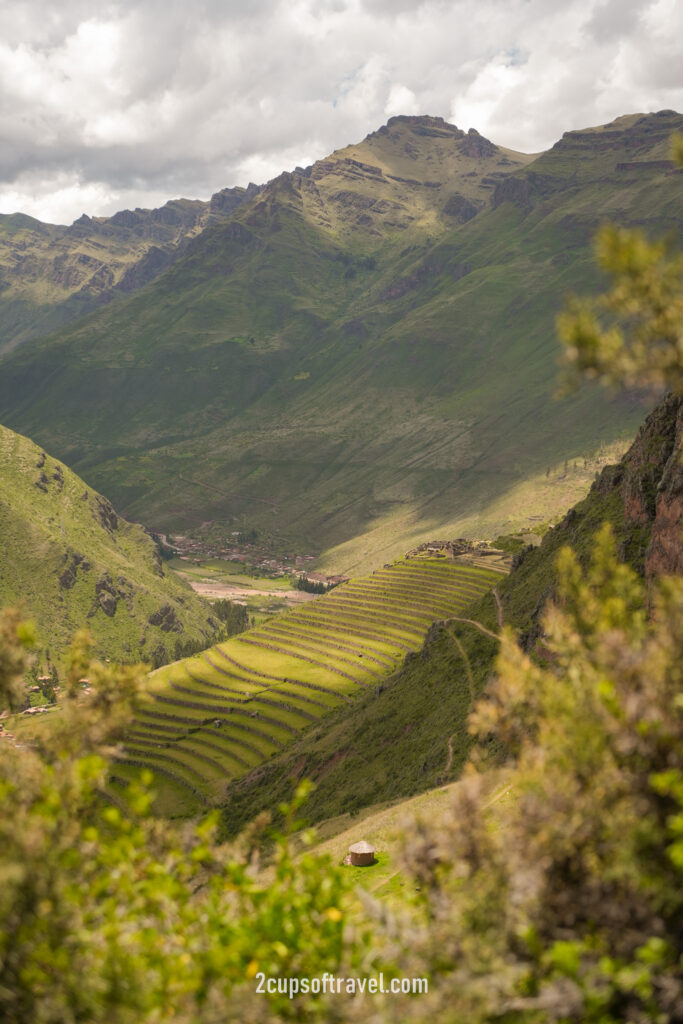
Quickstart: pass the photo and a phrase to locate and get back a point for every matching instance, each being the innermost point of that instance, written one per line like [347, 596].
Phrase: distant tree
[186, 648]
[158, 656]
[311, 586]
[233, 614]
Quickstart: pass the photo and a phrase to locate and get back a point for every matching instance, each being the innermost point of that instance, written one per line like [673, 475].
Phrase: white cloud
[127, 103]
[401, 100]
[61, 199]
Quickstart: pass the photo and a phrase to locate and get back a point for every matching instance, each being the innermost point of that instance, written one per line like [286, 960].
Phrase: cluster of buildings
[248, 553]
[450, 548]
[196, 551]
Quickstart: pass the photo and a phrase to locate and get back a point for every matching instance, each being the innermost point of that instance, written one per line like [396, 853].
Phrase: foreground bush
[110, 915]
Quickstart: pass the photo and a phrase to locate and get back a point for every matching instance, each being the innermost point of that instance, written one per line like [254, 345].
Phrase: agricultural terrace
[212, 718]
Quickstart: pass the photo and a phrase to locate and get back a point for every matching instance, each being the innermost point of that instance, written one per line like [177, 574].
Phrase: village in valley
[253, 558]
[249, 556]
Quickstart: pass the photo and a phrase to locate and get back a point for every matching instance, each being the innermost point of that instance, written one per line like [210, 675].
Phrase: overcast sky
[130, 103]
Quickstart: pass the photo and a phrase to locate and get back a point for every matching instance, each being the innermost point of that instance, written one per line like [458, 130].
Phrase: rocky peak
[475, 145]
[420, 124]
[423, 121]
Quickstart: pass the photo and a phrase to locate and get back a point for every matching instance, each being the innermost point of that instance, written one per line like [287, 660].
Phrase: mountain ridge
[51, 274]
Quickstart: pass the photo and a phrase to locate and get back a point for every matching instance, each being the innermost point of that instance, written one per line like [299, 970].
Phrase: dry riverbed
[239, 592]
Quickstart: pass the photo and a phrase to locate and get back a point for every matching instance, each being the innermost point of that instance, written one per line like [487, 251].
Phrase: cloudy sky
[130, 103]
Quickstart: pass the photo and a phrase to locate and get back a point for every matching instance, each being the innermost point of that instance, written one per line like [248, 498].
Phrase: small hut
[361, 854]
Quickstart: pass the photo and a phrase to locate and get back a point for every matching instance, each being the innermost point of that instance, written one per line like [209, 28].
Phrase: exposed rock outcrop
[106, 596]
[642, 499]
[513, 190]
[460, 208]
[475, 145]
[104, 511]
[166, 619]
[69, 574]
[648, 483]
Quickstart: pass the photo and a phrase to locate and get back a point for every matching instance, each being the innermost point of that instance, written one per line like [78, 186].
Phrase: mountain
[411, 734]
[73, 561]
[52, 274]
[364, 352]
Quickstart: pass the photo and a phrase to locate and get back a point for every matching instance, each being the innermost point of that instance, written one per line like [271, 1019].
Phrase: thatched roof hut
[361, 854]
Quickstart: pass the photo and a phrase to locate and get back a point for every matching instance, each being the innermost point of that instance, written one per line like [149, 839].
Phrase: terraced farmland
[214, 717]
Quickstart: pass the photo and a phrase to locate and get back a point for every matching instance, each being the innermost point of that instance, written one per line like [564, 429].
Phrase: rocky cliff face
[630, 149]
[641, 497]
[665, 550]
[649, 484]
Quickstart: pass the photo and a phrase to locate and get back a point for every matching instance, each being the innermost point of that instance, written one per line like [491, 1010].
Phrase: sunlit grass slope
[211, 719]
[73, 561]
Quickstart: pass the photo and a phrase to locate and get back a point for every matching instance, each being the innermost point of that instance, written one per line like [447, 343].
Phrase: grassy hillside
[386, 827]
[413, 735]
[362, 352]
[213, 719]
[73, 562]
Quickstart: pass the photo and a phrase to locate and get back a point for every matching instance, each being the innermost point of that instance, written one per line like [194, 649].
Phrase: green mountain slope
[212, 719]
[412, 735]
[364, 353]
[73, 561]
